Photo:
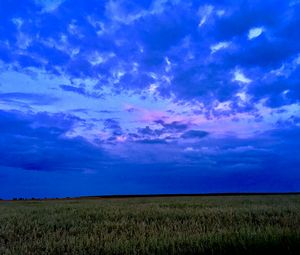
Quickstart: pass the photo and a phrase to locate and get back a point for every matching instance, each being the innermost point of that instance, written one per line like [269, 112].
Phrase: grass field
[164, 225]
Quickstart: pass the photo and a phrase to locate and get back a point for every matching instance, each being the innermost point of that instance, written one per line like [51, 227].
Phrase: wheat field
[163, 225]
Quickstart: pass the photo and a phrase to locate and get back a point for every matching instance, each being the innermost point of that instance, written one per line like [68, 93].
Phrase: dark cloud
[152, 141]
[114, 126]
[194, 134]
[73, 89]
[38, 142]
[173, 126]
[147, 131]
[81, 90]
[151, 135]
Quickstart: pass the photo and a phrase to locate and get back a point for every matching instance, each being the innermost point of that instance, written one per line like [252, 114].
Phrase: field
[162, 225]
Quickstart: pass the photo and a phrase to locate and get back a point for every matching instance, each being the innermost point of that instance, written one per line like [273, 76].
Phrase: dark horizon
[154, 195]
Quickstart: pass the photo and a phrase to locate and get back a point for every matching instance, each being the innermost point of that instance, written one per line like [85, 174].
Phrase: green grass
[175, 225]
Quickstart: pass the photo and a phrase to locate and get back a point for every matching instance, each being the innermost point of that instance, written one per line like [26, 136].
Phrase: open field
[164, 225]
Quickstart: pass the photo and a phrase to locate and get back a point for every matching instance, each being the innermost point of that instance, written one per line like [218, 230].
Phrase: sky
[146, 97]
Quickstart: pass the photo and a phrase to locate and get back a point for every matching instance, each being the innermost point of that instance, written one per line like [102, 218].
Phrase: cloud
[191, 134]
[80, 91]
[221, 45]
[173, 126]
[205, 12]
[30, 98]
[49, 6]
[240, 77]
[38, 142]
[147, 131]
[191, 91]
[152, 141]
[73, 89]
[135, 39]
[115, 128]
[255, 32]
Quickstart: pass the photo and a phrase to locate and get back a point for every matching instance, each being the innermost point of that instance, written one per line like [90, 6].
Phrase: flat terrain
[164, 225]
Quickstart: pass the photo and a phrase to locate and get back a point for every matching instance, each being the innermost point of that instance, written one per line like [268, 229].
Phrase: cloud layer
[199, 90]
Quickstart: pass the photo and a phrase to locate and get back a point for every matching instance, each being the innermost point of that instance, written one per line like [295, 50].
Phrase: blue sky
[140, 97]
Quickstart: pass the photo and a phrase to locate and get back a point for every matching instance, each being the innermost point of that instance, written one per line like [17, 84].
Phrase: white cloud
[205, 12]
[297, 60]
[116, 12]
[279, 71]
[220, 13]
[295, 2]
[18, 22]
[192, 149]
[49, 5]
[97, 24]
[219, 46]
[255, 32]
[284, 93]
[286, 69]
[74, 29]
[243, 98]
[74, 52]
[97, 58]
[242, 95]
[153, 87]
[121, 138]
[168, 65]
[223, 106]
[23, 41]
[189, 149]
[240, 77]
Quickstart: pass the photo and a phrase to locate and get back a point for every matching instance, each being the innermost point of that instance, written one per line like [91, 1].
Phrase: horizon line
[152, 195]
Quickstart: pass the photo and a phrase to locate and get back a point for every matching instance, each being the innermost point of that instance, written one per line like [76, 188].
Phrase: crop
[164, 225]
